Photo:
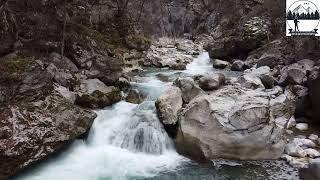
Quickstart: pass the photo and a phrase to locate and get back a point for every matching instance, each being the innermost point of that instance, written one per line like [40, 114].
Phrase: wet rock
[302, 126]
[234, 123]
[95, 94]
[44, 127]
[168, 106]
[135, 96]
[219, 64]
[312, 172]
[188, 88]
[179, 66]
[267, 81]
[212, 82]
[123, 83]
[237, 65]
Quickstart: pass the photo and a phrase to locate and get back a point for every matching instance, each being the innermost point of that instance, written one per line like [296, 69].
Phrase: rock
[123, 83]
[98, 99]
[304, 142]
[219, 64]
[312, 153]
[313, 137]
[212, 82]
[307, 64]
[251, 78]
[188, 88]
[233, 123]
[66, 93]
[106, 69]
[135, 96]
[32, 131]
[160, 56]
[267, 81]
[283, 122]
[270, 60]
[62, 62]
[295, 150]
[237, 65]
[302, 101]
[312, 172]
[302, 126]
[95, 94]
[168, 106]
[293, 74]
[179, 66]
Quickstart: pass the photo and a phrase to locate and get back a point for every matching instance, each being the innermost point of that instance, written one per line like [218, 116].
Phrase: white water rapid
[127, 141]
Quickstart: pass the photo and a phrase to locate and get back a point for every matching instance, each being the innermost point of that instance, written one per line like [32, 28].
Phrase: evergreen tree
[308, 16]
[316, 15]
[312, 16]
[289, 16]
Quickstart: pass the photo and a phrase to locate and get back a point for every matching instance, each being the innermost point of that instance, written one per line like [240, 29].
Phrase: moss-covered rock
[99, 99]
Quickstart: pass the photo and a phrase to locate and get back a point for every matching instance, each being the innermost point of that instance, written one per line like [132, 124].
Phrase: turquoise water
[127, 141]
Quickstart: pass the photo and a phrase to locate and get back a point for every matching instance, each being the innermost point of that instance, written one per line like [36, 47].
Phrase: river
[127, 141]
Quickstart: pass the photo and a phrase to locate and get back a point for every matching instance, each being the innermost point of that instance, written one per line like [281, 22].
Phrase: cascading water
[127, 141]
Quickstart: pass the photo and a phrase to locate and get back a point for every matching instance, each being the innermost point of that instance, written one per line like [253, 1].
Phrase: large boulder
[135, 96]
[234, 123]
[270, 60]
[32, 131]
[254, 78]
[212, 82]
[219, 64]
[95, 94]
[107, 69]
[237, 65]
[188, 88]
[294, 74]
[168, 106]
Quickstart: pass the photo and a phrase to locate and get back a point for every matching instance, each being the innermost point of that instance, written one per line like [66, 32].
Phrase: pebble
[302, 126]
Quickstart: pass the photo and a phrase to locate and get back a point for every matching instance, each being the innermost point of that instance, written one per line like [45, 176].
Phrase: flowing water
[127, 141]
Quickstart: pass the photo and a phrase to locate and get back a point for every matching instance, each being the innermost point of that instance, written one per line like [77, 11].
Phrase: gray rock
[267, 81]
[188, 88]
[293, 74]
[44, 127]
[168, 106]
[237, 65]
[219, 64]
[270, 60]
[233, 122]
[302, 126]
[135, 96]
[295, 150]
[212, 82]
[62, 62]
[95, 94]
